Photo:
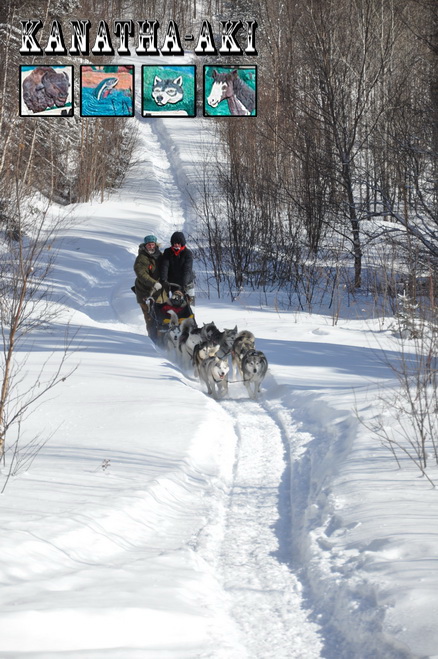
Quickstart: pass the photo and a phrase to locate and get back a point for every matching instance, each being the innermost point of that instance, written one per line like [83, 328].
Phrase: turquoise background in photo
[117, 104]
[188, 74]
[112, 102]
[247, 74]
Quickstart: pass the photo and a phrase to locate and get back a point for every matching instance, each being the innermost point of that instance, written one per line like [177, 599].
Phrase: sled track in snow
[265, 596]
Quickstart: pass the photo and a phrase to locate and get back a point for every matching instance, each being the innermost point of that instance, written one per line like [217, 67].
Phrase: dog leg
[234, 366]
[249, 388]
[225, 388]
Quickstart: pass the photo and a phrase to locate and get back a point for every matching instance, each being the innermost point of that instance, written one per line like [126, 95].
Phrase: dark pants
[150, 324]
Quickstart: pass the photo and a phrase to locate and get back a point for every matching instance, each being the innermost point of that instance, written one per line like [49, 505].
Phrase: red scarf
[168, 306]
[177, 250]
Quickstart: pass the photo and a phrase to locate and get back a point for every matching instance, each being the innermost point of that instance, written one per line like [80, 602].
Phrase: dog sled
[172, 312]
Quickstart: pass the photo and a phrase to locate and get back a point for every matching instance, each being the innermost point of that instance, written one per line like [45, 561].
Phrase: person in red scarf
[176, 266]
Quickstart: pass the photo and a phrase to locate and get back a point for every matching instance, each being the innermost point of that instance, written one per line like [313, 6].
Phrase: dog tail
[186, 326]
[173, 318]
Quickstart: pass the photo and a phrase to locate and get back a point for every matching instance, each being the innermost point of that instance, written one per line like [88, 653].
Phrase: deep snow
[157, 522]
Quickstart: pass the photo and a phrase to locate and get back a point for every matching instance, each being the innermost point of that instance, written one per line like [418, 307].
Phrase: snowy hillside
[158, 523]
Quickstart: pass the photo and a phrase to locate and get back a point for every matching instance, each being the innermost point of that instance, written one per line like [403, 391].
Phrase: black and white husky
[171, 336]
[213, 371]
[254, 366]
[167, 91]
[244, 341]
[191, 335]
[226, 340]
[201, 352]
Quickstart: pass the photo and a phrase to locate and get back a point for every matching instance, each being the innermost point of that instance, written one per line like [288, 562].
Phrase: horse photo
[232, 91]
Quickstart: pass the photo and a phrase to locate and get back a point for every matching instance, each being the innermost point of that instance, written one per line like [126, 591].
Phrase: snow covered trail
[252, 561]
[265, 595]
[252, 565]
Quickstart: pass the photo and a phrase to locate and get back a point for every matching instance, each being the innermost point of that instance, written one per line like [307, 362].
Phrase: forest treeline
[332, 184]
[335, 183]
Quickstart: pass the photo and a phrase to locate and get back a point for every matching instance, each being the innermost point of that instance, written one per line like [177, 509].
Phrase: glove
[190, 291]
[157, 287]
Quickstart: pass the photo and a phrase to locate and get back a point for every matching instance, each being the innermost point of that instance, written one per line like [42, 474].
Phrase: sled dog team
[207, 351]
[164, 290]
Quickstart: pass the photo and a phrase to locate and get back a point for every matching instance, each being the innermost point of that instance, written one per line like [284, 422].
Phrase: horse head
[222, 87]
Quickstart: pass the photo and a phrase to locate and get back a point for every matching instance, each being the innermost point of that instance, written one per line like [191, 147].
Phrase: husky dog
[190, 336]
[226, 341]
[210, 331]
[213, 372]
[171, 337]
[253, 367]
[244, 341]
[202, 351]
[168, 334]
[225, 338]
[167, 91]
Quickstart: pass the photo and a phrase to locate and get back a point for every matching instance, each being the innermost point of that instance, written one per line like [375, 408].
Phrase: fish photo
[107, 91]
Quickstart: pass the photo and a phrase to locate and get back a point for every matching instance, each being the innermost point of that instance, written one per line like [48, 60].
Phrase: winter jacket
[147, 269]
[177, 268]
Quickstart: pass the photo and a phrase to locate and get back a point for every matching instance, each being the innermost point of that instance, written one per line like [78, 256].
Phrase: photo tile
[107, 90]
[168, 91]
[230, 91]
[46, 90]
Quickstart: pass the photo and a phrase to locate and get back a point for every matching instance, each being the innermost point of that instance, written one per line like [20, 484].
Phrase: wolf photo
[107, 91]
[230, 91]
[46, 91]
[168, 91]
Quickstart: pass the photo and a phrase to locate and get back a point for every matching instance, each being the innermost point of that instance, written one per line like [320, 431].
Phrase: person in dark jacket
[177, 266]
[147, 284]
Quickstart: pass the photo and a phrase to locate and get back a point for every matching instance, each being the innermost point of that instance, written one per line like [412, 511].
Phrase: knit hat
[178, 237]
[150, 239]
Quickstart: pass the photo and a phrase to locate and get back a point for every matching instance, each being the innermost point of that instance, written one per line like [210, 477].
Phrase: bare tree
[25, 308]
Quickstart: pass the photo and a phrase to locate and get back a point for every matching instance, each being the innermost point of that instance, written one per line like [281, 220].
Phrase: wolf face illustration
[167, 91]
